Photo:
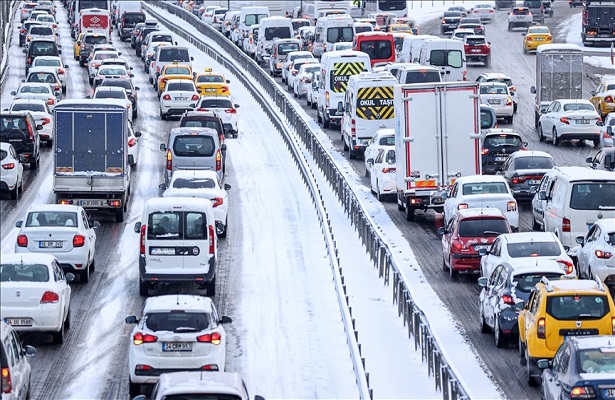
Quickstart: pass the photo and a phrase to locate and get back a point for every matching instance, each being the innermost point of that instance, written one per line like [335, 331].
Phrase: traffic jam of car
[424, 118]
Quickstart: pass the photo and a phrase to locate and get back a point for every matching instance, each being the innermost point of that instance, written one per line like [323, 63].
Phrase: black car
[40, 47]
[472, 23]
[23, 31]
[581, 369]
[498, 144]
[142, 35]
[135, 33]
[125, 83]
[523, 171]
[504, 4]
[88, 42]
[128, 21]
[20, 130]
[449, 21]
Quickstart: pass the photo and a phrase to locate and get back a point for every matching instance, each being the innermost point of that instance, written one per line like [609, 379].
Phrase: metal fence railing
[7, 13]
[419, 331]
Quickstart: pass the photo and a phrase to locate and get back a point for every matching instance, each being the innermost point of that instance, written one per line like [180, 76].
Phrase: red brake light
[65, 202]
[603, 254]
[78, 241]
[484, 151]
[8, 166]
[6, 381]
[22, 241]
[169, 160]
[217, 201]
[202, 109]
[541, 331]
[212, 243]
[132, 142]
[206, 338]
[50, 297]
[140, 338]
[166, 97]
[456, 246]
[565, 225]
[582, 392]
[231, 111]
[195, 97]
[567, 265]
[51, 101]
[216, 338]
[565, 120]
[218, 160]
[507, 299]
[46, 121]
[608, 99]
[142, 240]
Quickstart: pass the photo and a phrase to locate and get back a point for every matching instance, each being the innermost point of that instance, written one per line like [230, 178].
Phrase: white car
[116, 61]
[596, 256]
[114, 92]
[61, 230]
[290, 57]
[179, 96]
[497, 95]
[250, 41]
[486, 12]
[47, 19]
[341, 46]
[40, 112]
[210, 385]
[304, 79]
[293, 72]
[45, 75]
[383, 138]
[53, 61]
[15, 370]
[570, 119]
[383, 173]
[203, 184]
[97, 59]
[224, 107]
[133, 146]
[525, 248]
[208, 14]
[311, 96]
[459, 34]
[37, 91]
[481, 191]
[606, 140]
[110, 71]
[11, 173]
[35, 294]
[175, 333]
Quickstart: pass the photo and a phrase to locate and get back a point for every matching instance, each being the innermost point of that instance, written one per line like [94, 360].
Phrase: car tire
[524, 49]
[84, 276]
[487, 62]
[535, 226]
[134, 389]
[294, 93]
[119, 215]
[318, 118]
[541, 135]
[484, 328]
[509, 28]
[15, 192]
[380, 196]
[554, 138]
[521, 350]
[58, 337]
[307, 101]
[498, 335]
[596, 142]
[451, 272]
[223, 233]
[313, 105]
[510, 119]
[325, 122]
[143, 288]
[444, 266]
[34, 164]
[409, 212]
[211, 288]
[531, 380]
[67, 320]
[135, 113]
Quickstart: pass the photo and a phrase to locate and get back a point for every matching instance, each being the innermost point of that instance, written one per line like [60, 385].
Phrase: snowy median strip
[8, 34]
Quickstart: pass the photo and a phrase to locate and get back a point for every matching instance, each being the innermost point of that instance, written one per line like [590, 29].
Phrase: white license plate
[173, 346]
[19, 321]
[481, 246]
[210, 90]
[49, 244]
[500, 159]
[163, 251]
[534, 181]
[608, 393]
[539, 39]
[94, 203]
[493, 101]
[582, 121]
[181, 98]
[475, 50]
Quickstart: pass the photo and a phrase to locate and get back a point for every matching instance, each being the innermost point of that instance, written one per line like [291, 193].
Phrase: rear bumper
[45, 318]
[175, 277]
[465, 262]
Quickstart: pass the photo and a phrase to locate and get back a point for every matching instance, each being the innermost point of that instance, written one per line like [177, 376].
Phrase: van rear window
[170, 55]
[577, 307]
[282, 32]
[130, 18]
[377, 49]
[177, 225]
[285, 48]
[593, 196]
[446, 58]
[194, 146]
[341, 34]
[422, 76]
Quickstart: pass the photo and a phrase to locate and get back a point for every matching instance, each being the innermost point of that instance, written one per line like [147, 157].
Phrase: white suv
[16, 369]
[175, 333]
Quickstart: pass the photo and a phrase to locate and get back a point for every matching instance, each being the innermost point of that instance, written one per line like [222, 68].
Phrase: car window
[526, 282]
[179, 55]
[9, 123]
[165, 226]
[600, 360]
[376, 49]
[3, 154]
[533, 249]
[177, 321]
[179, 86]
[285, 48]
[45, 62]
[51, 218]
[43, 49]
[496, 248]
[446, 58]
[484, 188]
[534, 163]
[117, 83]
[24, 273]
[478, 227]
[215, 103]
[193, 183]
[282, 32]
[109, 94]
[210, 79]
[495, 274]
[177, 71]
[578, 107]
[422, 76]
[592, 196]
[387, 141]
[194, 146]
[577, 307]
[200, 123]
[42, 77]
[95, 40]
[503, 141]
[36, 107]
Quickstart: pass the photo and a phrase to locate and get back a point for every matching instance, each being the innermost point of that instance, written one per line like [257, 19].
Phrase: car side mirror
[441, 231]
[227, 186]
[59, 51]
[580, 240]
[599, 123]
[542, 195]
[39, 127]
[228, 81]
[78, 41]
[191, 58]
[370, 161]
[95, 224]
[533, 90]
[137, 227]
[523, 34]
[162, 187]
[533, 189]
[223, 147]
[130, 68]
[566, 248]
[30, 351]
[131, 319]
[482, 281]
[22, 158]
[225, 320]
[520, 305]
[593, 92]
[88, 97]
[131, 75]
[138, 134]
[512, 93]
[13, 93]
[18, 224]
[340, 107]
[92, 76]
[483, 252]
[589, 160]
[66, 66]
[69, 277]
[137, 88]
[543, 364]
[163, 147]
[236, 105]
[256, 397]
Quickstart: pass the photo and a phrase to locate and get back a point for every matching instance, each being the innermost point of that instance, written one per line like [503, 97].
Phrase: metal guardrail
[7, 14]
[445, 379]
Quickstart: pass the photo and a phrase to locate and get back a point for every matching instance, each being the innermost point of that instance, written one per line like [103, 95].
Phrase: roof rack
[547, 283]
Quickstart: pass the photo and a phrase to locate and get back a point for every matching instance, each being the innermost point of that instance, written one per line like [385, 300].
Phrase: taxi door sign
[374, 103]
[341, 73]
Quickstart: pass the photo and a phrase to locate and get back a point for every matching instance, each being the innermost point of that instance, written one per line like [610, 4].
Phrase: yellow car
[212, 84]
[77, 46]
[557, 309]
[173, 71]
[535, 36]
[603, 98]
[400, 28]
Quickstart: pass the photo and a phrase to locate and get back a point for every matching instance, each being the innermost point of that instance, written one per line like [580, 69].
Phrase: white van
[446, 54]
[330, 30]
[368, 106]
[250, 16]
[269, 29]
[178, 243]
[336, 68]
[576, 197]
[411, 47]
[417, 73]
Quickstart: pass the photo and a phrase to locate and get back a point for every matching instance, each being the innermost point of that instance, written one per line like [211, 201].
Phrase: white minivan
[250, 16]
[269, 29]
[411, 47]
[178, 243]
[331, 30]
[446, 54]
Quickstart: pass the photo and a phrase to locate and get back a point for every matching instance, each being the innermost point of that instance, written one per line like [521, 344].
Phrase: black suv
[135, 33]
[449, 21]
[498, 144]
[40, 47]
[504, 4]
[20, 130]
[127, 23]
[142, 35]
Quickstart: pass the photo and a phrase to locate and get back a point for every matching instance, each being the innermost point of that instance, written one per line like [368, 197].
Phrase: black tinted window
[478, 227]
[95, 40]
[133, 18]
[41, 62]
[179, 86]
[161, 38]
[200, 123]
[42, 77]
[24, 273]
[216, 103]
[43, 49]
[194, 146]
[8, 123]
[533, 249]
[177, 321]
[452, 14]
[109, 94]
[422, 77]
[193, 183]
[377, 49]
[117, 83]
[526, 282]
[501, 141]
[387, 141]
[577, 307]
[475, 41]
[342, 34]
[41, 30]
[446, 58]
[179, 55]
[3, 154]
[28, 107]
[52, 218]
[593, 196]
[277, 32]
[534, 163]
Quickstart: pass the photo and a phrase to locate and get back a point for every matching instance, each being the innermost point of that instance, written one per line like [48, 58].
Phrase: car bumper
[465, 262]
[163, 365]
[158, 277]
[45, 318]
[332, 114]
[585, 133]
[503, 111]
[448, 27]
[522, 192]
[532, 46]
[8, 182]
[68, 261]
[508, 321]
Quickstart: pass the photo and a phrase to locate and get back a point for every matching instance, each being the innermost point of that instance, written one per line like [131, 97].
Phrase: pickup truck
[520, 17]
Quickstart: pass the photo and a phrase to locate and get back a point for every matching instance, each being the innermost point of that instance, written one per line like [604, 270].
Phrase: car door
[538, 206]
[586, 255]
[492, 258]
[597, 95]
[373, 176]
[446, 238]
[89, 233]
[553, 376]
[491, 297]
[21, 368]
[450, 205]
[61, 285]
[547, 119]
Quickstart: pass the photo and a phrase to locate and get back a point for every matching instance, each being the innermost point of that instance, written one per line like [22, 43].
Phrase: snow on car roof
[9, 258]
[593, 342]
[178, 302]
[586, 174]
[558, 47]
[196, 381]
[524, 237]
[480, 179]
[538, 265]
[163, 204]
[477, 212]
[575, 285]
[531, 153]
[54, 207]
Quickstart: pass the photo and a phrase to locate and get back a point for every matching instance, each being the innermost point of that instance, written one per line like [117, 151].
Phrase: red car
[469, 231]
[477, 48]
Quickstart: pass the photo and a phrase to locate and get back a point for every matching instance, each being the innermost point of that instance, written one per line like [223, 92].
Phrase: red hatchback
[469, 231]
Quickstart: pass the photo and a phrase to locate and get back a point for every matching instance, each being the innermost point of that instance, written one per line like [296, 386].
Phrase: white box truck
[437, 134]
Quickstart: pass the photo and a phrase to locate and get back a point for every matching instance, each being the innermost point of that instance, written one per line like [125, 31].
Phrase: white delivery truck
[336, 68]
[368, 107]
[437, 134]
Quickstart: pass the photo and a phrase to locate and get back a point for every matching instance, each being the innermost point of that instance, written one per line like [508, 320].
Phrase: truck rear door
[99, 143]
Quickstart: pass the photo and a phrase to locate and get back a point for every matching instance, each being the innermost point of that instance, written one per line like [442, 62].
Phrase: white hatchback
[39, 91]
[56, 62]
[11, 173]
[497, 95]
[383, 175]
[40, 112]
[35, 294]
[383, 138]
[224, 107]
[175, 333]
[61, 230]
[596, 256]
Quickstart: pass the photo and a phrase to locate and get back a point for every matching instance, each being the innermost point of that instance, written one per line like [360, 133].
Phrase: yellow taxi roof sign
[208, 69]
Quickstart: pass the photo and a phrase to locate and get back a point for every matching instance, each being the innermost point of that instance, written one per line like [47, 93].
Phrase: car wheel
[307, 100]
[451, 271]
[484, 328]
[596, 142]
[294, 93]
[500, 339]
[318, 117]
[531, 380]
[444, 266]
[92, 265]
[554, 137]
[134, 389]
[510, 119]
[58, 337]
[15, 192]
[84, 275]
[34, 164]
[162, 116]
[409, 212]
[524, 50]
[211, 288]
[325, 122]
[541, 135]
[509, 27]
[487, 62]
[313, 105]
[535, 225]
[378, 194]
[590, 275]
[521, 349]
[119, 215]
[67, 320]
[224, 231]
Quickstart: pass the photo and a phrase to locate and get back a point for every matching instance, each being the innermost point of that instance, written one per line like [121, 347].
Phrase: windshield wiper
[185, 329]
[491, 233]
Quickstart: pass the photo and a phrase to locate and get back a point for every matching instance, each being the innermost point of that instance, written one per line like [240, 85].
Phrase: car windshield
[193, 183]
[95, 40]
[526, 282]
[593, 196]
[533, 249]
[310, 70]
[52, 218]
[194, 146]
[177, 321]
[376, 49]
[210, 79]
[42, 62]
[104, 56]
[178, 55]
[117, 83]
[199, 123]
[112, 71]
[533, 4]
[36, 107]
[24, 273]
[187, 86]
[387, 141]
[503, 141]
[42, 77]
[216, 103]
[521, 12]
[507, 81]
[130, 18]
[452, 14]
[9, 123]
[577, 307]
[252, 19]
[579, 107]
[475, 41]
[477, 227]
[493, 89]
[282, 32]
[177, 71]
[43, 49]
[446, 58]
[422, 76]
[470, 189]
[161, 38]
[109, 94]
[299, 24]
[340, 34]
[41, 30]
[593, 361]
[176, 226]
[534, 163]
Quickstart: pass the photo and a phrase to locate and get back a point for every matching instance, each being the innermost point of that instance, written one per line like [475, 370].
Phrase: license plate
[19, 321]
[609, 393]
[181, 98]
[47, 244]
[173, 346]
[582, 121]
[475, 50]
[95, 203]
[500, 158]
[481, 246]
[534, 181]
[162, 251]
[493, 101]
[210, 90]
[539, 39]
[278, 65]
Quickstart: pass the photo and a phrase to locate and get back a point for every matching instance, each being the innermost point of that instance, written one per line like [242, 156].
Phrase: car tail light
[202, 109]
[564, 120]
[565, 225]
[51, 101]
[29, 60]
[444, 20]
[582, 392]
[8, 166]
[206, 338]
[541, 330]
[65, 202]
[169, 160]
[484, 151]
[22, 241]
[114, 203]
[456, 246]
[509, 101]
[194, 97]
[608, 99]
[567, 266]
[132, 142]
[157, 68]
[518, 179]
[507, 299]
[613, 325]
[46, 121]
[231, 110]
[462, 206]
[327, 95]
[50, 297]
[212, 242]
[603, 254]
[218, 160]
[511, 206]
[386, 170]
[142, 240]
[163, 80]
[22, 31]
[294, 72]
[78, 241]
[512, 89]
[210, 367]
[166, 97]
[353, 127]
[140, 338]
[6, 381]
[217, 201]
[529, 38]
[30, 133]
[216, 338]
[549, 37]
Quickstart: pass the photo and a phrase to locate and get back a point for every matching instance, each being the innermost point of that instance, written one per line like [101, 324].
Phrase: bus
[78, 5]
[310, 9]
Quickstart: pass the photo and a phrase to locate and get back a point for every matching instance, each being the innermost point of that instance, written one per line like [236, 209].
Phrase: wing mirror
[228, 81]
[223, 147]
[39, 127]
[163, 147]
[69, 277]
[131, 75]
[482, 282]
[370, 161]
[543, 364]
[227, 186]
[225, 320]
[236, 105]
[520, 305]
[138, 134]
[589, 160]
[18, 223]
[593, 92]
[162, 187]
[96, 225]
[483, 252]
[580, 240]
[442, 231]
[66, 66]
[137, 88]
[13, 93]
[30, 351]
[609, 130]
[131, 319]
[137, 227]
[542, 195]
[533, 89]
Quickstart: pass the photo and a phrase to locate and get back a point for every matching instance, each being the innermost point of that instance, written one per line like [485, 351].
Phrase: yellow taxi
[77, 46]
[603, 98]
[400, 28]
[211, 83]
[535, 36]
[556, 310]
[173, 71]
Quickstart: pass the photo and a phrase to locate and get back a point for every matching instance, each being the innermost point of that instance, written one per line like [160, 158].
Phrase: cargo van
[269, 29]
[368, 106]
[411, 47]
[417, 73]
[250, 16]
[279, 51]
[336, 68]
[379, 46]
[178, 243]
[330, 30]
[446, 54]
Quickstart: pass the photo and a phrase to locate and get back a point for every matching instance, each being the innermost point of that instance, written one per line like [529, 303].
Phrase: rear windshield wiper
[185, 329]
[491, 233]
